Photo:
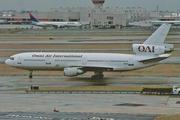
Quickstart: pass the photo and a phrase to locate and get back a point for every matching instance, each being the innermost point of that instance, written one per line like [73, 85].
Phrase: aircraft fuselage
[89, 61]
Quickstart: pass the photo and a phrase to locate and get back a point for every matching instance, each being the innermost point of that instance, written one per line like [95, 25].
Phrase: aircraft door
[19, 61]
[48, 62]
[175, 90]
[84, 61]
[130, 62]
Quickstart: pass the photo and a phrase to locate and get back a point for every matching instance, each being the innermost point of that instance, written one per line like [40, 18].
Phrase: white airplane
[166, 22]
[53, 24]
[150, 53]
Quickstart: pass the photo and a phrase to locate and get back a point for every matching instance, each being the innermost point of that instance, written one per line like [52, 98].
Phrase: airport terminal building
[92, 17]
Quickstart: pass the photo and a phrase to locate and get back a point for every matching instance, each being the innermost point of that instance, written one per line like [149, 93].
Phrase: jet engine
[168, 47]
[153, 49]
[72, 71]
[60, 26]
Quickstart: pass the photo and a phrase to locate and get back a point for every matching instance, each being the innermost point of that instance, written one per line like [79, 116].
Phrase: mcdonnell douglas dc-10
[150, 53]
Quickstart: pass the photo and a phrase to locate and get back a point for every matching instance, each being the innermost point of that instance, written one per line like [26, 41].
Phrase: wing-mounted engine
[72, 72]
[152, 49]
[60, 26]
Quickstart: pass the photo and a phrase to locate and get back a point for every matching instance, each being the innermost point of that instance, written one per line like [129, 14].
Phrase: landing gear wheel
[30, 76]
[98, 74]
[101, 76]
[93, 77]
[97, 77]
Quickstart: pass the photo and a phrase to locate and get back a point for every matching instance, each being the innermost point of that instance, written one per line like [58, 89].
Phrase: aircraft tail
[158, 37]
[33, 18]
[154, 45]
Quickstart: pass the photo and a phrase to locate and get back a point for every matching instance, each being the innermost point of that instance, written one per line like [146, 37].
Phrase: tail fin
[154, 44]
[33, 18]
[158, 37]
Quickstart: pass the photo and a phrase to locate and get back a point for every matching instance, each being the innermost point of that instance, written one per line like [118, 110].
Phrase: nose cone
[8, 62]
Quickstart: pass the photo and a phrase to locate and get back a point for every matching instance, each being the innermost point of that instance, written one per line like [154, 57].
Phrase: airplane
[150, 53]
[167, 22]
[36, 22]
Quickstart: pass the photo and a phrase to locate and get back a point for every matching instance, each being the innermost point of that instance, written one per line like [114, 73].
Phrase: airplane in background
[56, 25]
[166, 22]
[150, 53]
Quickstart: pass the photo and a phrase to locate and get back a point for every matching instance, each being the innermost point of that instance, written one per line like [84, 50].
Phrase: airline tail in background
[33, 18]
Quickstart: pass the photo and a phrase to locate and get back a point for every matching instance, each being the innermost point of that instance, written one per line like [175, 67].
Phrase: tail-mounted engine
[152, 49]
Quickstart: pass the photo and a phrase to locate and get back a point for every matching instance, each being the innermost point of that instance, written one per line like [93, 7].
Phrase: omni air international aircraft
[150, 53]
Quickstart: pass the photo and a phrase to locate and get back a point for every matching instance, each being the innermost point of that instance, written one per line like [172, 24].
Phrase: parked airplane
[150, 53]
[53, 24]
[165, 22]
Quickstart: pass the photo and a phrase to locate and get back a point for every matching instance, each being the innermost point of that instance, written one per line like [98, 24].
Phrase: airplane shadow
[101, 82]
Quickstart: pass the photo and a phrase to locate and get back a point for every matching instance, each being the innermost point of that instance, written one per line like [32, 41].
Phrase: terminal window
[110, 22]
[109, 18]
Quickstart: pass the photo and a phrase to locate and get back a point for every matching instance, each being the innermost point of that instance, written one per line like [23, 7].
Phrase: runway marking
[167, 101]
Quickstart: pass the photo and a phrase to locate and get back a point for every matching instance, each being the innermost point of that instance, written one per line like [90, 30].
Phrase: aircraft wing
[102, 67]
[155, 59]
[94, 66]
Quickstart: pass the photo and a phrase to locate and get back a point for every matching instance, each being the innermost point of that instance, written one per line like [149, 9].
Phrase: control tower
[98, 4]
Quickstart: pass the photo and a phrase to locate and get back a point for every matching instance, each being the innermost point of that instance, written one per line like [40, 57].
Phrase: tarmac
[13, 101]
[74, 116]
[8, 82]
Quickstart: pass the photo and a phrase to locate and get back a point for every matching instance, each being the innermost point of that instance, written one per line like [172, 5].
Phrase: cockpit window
[11, 58]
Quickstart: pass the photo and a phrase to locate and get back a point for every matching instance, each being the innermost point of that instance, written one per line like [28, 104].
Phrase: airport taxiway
[89, 103]
[8, 82]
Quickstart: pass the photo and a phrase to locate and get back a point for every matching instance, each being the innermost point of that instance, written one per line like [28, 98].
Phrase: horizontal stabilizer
[155, 59]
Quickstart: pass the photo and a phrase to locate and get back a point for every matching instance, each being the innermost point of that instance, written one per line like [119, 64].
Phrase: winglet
[33, 18]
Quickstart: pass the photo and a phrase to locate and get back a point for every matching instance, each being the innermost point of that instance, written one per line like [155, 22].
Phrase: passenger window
[130, 64]
[11, 58]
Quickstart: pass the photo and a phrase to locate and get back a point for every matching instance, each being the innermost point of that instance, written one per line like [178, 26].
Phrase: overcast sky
[45, 5]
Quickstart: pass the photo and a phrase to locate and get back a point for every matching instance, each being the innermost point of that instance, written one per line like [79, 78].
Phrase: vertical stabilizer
[158, 37]
[33, 18]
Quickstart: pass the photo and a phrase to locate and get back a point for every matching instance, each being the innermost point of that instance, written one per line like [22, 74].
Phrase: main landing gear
[30, 74]
[97, 76]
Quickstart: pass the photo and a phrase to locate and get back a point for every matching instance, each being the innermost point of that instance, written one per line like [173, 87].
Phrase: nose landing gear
[30, 74]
